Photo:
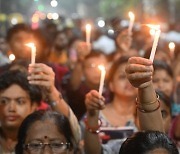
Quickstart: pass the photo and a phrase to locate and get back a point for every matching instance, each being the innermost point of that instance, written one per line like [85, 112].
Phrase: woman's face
[163, 81]
[44, 137]
[120, 85]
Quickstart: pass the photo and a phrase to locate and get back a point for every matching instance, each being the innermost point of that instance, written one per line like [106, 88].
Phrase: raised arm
[139, 72]
[43, 75]
[83, 49]
[94, 103]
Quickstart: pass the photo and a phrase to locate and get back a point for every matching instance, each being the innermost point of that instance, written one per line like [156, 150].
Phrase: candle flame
[131, 15]
[155, 27]
[12, 57]
[31, 45]
[152, 32]
[88, 27]
[101, 67]
[171, 45]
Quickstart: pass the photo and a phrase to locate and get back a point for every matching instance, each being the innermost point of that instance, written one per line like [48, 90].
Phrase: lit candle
[88, 33]
[172, 48]
[33, 52]
[103, 73]
[131, 22]
[156, 39]
[152, 33]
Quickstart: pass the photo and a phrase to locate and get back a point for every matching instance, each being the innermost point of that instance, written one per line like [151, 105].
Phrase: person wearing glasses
[45, 132]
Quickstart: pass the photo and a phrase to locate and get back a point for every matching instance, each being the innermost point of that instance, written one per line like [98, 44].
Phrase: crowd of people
[54, 105]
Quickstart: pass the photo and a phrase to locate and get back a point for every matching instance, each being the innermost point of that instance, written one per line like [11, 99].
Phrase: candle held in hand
[131, 22]
[172, 48]
[156, 39]
[103, 73]
[88, 33]
[33, 52]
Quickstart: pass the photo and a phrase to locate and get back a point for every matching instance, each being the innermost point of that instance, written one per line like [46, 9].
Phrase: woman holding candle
[139, 72]
[43, 76]
[120, 111]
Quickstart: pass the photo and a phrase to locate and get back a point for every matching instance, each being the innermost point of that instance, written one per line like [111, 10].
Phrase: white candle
[103, 73]
[131, 22]
[172, 48]
[33, 52]
[156, 39]
[88, 33]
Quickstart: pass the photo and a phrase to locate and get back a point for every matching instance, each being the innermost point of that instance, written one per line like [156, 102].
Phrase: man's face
[15, 105]
[61, 41]
[17, 44]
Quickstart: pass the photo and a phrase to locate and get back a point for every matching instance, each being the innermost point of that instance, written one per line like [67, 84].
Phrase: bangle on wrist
[150, 103]
[140, 107]
[93, 129]
[54, 103]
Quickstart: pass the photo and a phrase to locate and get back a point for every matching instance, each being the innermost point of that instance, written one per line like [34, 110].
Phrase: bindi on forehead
[45, 137]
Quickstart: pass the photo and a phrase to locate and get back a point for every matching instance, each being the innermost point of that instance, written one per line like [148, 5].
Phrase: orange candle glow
[33, 52]
[172, 48]
[131, 22]
[88, 33]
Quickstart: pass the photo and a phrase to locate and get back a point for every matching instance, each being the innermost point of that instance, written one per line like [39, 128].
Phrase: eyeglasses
[57, 148]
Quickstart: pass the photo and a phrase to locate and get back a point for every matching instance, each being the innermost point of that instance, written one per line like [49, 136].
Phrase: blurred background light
[54, 3]
[12, 57]
[14, 21]
[55, 16]
[101, 23]
[111, 32]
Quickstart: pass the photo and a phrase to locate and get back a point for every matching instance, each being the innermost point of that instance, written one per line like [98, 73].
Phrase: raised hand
[139, 72]
[42, 75]
[83, 49]
[94, 101]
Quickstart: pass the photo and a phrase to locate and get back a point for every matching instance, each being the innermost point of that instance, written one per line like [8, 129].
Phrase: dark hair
[9, 78]
[59, 120]
[161, 65]
[17, 28]
[142, 142]
[94, 53]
